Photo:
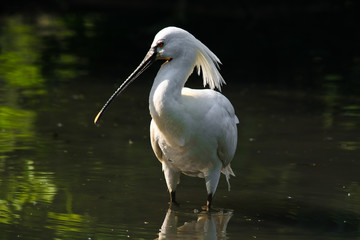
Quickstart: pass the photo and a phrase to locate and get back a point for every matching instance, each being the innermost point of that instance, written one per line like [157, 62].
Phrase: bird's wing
[154, 141]
[219, 116]
[227, 140]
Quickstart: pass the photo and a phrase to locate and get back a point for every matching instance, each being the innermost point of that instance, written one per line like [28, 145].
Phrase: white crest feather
[208, 63]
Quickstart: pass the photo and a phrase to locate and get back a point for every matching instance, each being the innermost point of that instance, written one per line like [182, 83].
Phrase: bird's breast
[166, 111]
[191, 159]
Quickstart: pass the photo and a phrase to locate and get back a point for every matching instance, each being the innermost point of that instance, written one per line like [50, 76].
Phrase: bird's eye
[161, 44]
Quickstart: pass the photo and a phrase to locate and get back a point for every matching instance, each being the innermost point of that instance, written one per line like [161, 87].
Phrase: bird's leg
[212, 180]
[172, 179]
[173, 199]
[208, 202]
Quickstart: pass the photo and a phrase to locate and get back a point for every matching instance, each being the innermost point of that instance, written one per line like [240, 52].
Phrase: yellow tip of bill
[97, 117]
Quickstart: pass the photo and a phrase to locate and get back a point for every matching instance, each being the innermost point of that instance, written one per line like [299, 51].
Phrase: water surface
[62, 177]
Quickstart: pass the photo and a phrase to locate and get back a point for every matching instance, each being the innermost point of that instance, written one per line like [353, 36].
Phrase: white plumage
[192, 131]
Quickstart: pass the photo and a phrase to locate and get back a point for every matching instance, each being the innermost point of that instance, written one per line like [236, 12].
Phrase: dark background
[289, 43]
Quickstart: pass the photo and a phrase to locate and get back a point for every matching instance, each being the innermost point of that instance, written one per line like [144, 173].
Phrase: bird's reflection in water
[208, 225]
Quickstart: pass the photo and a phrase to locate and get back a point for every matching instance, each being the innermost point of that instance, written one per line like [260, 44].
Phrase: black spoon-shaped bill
[148, 60]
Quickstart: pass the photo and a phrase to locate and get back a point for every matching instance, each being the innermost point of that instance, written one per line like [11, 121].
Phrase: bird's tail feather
[228, 171]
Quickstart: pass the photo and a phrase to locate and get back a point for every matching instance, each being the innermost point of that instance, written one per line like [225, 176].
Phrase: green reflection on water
[350, 145]
[16, 129]
[19, 56]
[68, 222]
[23, 188]
[35, 50]
[330, 98]
[340, 112]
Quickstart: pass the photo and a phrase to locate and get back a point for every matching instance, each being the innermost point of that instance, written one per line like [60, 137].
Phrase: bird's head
[171, 42]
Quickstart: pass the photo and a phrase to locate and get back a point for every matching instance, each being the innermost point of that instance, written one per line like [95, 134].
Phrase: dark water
[61, 177]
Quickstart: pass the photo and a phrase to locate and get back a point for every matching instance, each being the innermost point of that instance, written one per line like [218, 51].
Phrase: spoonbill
[193, 131]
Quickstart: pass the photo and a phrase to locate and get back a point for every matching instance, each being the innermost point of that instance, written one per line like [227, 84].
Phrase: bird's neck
[165, 101]
[169, 81]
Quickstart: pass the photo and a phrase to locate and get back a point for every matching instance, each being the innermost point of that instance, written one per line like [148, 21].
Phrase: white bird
[192, 131]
